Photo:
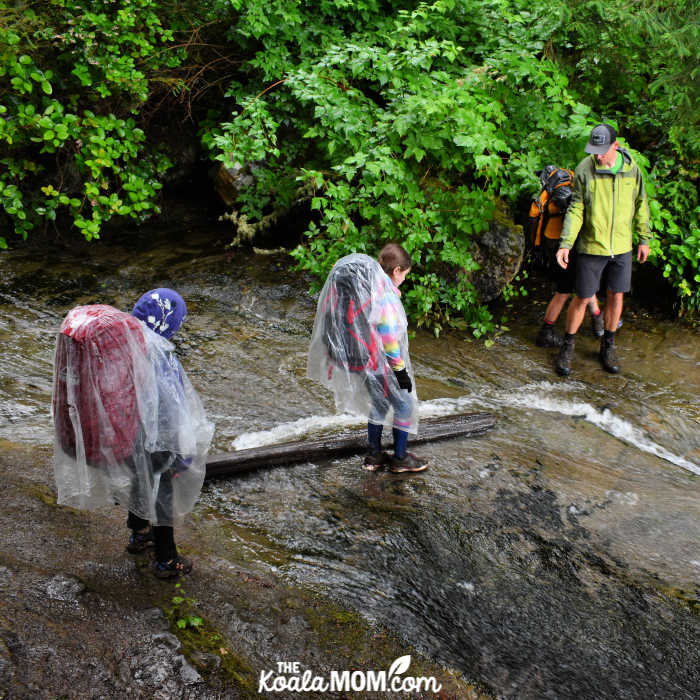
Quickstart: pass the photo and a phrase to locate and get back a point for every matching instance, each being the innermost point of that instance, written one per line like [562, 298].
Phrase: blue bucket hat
[162, 310]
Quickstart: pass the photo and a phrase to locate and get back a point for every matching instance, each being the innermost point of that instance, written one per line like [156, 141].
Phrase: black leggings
[163, 535]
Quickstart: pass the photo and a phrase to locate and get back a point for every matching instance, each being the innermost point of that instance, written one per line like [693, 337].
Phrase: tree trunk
[341, 444]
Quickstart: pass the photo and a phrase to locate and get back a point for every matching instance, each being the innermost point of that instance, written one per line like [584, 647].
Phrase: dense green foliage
[404, 123]
[403, 120]
[636, 64]
[73, 77]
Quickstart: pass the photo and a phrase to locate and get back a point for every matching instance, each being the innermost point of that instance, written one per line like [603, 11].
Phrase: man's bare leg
[555, 306]
[613, 310]
[575, 314]
[597, 319]
[593, 306]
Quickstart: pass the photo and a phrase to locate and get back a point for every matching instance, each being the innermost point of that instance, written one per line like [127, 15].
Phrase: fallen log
[431, 429]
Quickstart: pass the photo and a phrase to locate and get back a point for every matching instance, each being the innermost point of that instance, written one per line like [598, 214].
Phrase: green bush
[406, 124]
[636, 65]
[407, 121]
[400, 120]
[73, 75]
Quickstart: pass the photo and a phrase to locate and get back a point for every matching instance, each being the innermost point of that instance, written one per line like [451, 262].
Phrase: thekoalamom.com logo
[289, 677]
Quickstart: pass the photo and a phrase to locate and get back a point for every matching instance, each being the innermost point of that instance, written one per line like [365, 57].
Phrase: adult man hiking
[608, 203]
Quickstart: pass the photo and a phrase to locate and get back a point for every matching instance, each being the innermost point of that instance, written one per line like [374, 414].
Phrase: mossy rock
[499, 252]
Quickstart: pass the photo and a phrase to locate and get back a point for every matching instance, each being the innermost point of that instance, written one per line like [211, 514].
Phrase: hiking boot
[608, 356]
[140, 541]
[566, 354]
[179, 566]
[597, 325]
[375, 460]
[408, 463]
[547, 337]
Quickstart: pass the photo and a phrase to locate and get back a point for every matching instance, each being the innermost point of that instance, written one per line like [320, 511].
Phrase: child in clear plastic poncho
[130, 427]
[359, 350]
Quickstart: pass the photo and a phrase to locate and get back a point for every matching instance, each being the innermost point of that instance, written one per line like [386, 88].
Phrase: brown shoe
[408, 463]
[566, 354]
[375, 460]
[179, 566]
[547, 337]
[608, 356]
[140, 541]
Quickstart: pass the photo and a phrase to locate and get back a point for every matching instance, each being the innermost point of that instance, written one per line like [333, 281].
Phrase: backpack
[98, 366]
[347, 332]
[547, 210]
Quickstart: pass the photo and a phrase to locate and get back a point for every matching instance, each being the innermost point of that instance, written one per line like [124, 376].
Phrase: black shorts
[590, 270]
[564, 280]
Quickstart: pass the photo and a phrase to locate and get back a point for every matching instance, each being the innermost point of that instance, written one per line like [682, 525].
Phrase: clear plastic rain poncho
[358, 318]
[129, 426]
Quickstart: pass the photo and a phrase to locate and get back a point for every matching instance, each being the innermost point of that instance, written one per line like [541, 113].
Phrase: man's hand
[642, 253]
[563, 257]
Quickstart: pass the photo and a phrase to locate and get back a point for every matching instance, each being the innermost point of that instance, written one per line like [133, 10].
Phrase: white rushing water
[286, 432]
[539, 396]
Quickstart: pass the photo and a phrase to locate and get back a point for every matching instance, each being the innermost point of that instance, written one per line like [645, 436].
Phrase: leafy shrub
[403, 120]
[402, 129]
[407, 122]
[73, 75]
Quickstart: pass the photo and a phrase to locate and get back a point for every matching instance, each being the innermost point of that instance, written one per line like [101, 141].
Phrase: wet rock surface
[80, 618]
[501, 582]
[555, 556]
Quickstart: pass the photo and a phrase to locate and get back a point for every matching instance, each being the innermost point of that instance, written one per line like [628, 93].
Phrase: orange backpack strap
[537, 216]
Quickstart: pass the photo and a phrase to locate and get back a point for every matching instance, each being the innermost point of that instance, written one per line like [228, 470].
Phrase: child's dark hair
[392, 256]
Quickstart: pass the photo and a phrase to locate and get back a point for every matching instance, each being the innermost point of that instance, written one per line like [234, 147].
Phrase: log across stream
[440, 428]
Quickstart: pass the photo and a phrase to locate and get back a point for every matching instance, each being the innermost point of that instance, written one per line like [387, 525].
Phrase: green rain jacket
[605, 208]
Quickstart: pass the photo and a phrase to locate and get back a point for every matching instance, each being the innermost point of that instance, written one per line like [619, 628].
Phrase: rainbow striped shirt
[388, 322]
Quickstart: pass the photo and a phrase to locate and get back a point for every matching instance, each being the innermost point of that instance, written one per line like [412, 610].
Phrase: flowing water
[557, 555]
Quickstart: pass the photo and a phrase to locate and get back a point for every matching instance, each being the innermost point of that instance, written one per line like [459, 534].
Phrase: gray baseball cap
[602, 137]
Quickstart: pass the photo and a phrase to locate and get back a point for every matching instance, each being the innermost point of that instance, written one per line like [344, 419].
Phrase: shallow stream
[558, 555]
